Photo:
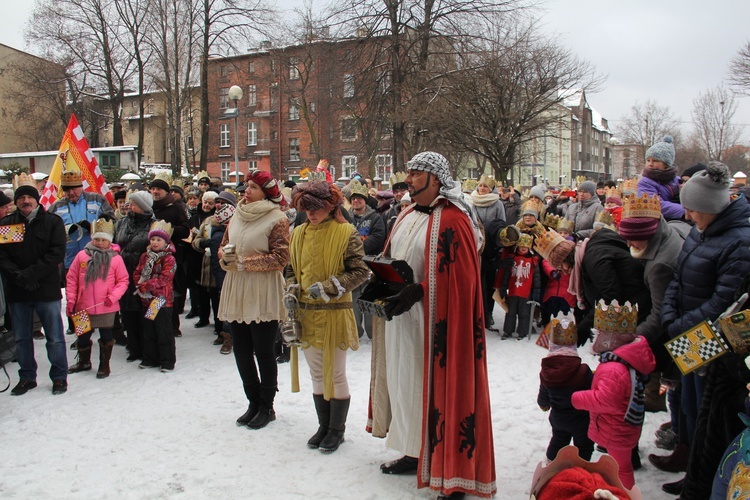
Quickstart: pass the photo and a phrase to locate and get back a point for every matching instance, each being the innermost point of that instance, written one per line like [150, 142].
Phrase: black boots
[323, 409]
[84, 361]
[676, 462]
[336, 425]
[265, 413]
[105, 353]
[252, 410]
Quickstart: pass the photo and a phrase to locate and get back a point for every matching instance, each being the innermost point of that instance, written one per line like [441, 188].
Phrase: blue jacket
[668, 193]
[710, 269]
[89, 207]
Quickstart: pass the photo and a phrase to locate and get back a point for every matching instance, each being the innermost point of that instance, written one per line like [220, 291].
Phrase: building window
[293, 149]
[252, 134]
[251, 67]
[383, 165]
[348, 85]
[294, 68]
[151, 106]
[384, 82]
[134, 103]
[109, 160]
[348, 165]
[189, 141]
[312, 107]
[348, 129]
[251, 95]
[224, 98]
[225, 171]
[224, 143]
[223, 70]
[252, 165]
[293, 109]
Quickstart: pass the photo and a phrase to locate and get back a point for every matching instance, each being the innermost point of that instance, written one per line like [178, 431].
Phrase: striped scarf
[636, 409]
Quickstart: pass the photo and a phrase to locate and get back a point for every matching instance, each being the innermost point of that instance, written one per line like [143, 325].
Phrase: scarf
[636, 409]
[484, 200]
[98, 266]
[660, 176]
[251, 212]
[575, 283]
[148, 268]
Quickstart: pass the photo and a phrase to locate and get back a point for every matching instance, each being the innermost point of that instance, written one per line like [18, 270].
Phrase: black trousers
[131, 320]
[251, 342]
[158, 340]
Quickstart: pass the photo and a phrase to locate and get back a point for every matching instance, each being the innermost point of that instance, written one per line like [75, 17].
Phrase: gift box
[390, 276]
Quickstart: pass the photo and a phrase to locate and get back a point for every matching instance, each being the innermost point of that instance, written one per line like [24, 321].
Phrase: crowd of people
[624, 267]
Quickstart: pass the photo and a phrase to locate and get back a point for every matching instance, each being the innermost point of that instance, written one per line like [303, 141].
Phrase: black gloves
[85, 224]
[403, 301]
[26, 280]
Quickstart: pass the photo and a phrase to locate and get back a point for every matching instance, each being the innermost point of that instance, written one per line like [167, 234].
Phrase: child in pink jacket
[96, 280]
[615, 403]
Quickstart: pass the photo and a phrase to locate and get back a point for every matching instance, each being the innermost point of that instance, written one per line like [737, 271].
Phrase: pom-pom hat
[707, 191]
[662, 151]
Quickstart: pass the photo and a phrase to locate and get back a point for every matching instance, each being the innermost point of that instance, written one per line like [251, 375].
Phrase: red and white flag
[75, 155]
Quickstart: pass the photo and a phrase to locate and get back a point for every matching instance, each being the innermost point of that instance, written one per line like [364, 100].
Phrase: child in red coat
[520, 287]
[153, 282]
[557, 299]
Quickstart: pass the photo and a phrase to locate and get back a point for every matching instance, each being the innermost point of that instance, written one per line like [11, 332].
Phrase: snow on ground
[147, 434]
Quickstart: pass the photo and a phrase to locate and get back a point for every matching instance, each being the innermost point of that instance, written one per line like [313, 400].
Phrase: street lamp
[235, 94]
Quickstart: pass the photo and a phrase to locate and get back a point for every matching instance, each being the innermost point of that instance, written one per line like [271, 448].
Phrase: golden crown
[322, 164]
[23, 179]
[534, 204]
[164, 176]
[162, 225]
[356, 187]
[605, 218]
[562, 331]
[397, 177]
[525, 240]
[317, 175]
[566, 225]
[202, 175]
[614, 318]
[508, 236]
[612, 193]
[645, 205]
[487, 181]
[103, 226]
[71, 178]
[629, 187]
[545, 242]
[469, 185]
[551, 221]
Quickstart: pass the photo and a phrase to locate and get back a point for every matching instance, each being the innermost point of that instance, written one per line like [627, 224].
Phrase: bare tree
[712, 118]
[646, 124]
[508, 94]
[739, 70]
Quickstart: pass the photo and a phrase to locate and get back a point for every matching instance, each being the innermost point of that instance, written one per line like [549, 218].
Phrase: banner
[75, 155]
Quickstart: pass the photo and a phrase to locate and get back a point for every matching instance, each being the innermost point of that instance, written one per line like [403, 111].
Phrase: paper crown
[545, 242]
[356, 187]
[551, 221]
[103, 226]
[469, 185]
[532, 204]
[201, 176]
[71, 179]
[566, 225]
[525, 240]
[614, 318]
[612, 193]
[165, 176]
[316, 175]
[23, 179]
[645, 205]
[629, 187]
[487, 181]
[161, 225]
[562, 331]
[398, 178]
[508, 236]
[605, 218]
[322, 164]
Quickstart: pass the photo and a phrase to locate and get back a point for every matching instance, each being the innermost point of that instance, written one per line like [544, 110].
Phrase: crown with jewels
[566, 225]
[525, 240]
[356, 187]
[398, 178]
[612, 193]
[645, 205]
[551, 221]
[71, 179]
[562, 331]
[103, 226]
[629, 187]
[487, 181]
[546, 241]
[161, 225]
[166, 177]
[605, 218]
[469, 185]
[23, 179]
[616, 318]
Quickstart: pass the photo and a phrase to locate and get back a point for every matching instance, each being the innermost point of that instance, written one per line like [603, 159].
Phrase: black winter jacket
[711, 267]
[34, 262]
[131, 233]
[560, 377]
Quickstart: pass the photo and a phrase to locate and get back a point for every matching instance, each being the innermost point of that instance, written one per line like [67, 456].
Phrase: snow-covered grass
[147, 434]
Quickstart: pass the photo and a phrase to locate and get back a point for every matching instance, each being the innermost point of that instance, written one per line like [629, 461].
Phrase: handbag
[8, 352]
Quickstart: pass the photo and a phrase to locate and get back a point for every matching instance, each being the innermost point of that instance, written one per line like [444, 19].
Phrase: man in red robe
[435, 351]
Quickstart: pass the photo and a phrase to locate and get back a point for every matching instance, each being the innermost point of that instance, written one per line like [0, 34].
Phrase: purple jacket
[669, 194]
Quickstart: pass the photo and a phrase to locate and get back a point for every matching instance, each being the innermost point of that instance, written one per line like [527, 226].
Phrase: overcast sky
[664, 50]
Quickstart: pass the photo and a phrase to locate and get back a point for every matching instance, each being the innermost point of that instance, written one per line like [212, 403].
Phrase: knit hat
[578, 483]
[638, 228]
[121, 195]
[538, 191]
[4, 199]
[26, 190]
[691, 171]
[662, 151]
[267, 183]
[587, 187]
[227, 197]
[159, 183]
[224, 213]
[144, 200]
[162, 229]
[707, 191]
[178, 190]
